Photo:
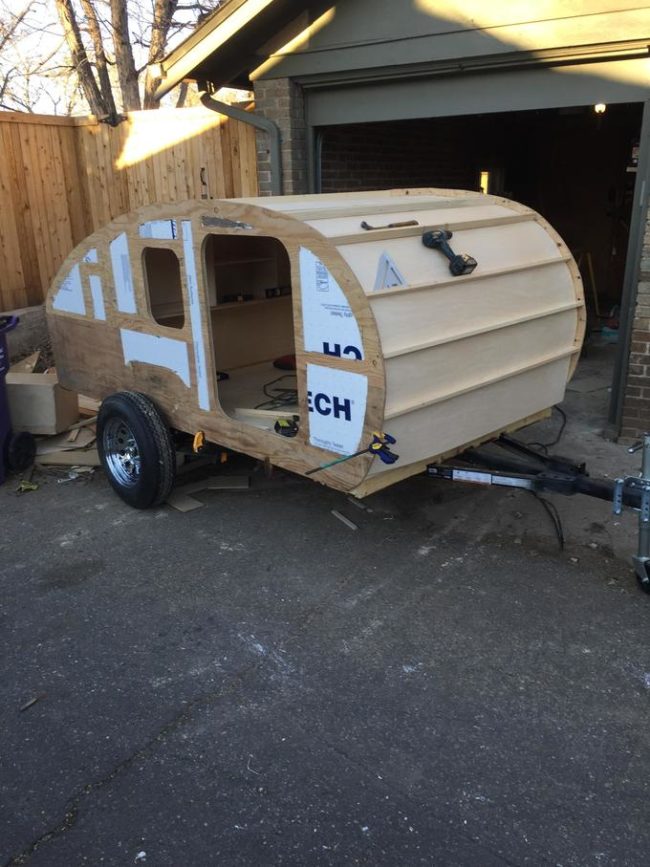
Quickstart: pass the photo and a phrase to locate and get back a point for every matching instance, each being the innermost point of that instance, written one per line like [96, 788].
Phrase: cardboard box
[38, 404]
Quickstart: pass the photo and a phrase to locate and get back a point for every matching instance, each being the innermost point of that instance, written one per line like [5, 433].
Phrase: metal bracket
[617, 498]
[645, 505]
[632, 485]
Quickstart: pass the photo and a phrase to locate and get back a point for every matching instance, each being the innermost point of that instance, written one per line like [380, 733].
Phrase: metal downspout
[258, 122]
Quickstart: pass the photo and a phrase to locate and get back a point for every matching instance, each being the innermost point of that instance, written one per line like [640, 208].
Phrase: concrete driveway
[255, 683]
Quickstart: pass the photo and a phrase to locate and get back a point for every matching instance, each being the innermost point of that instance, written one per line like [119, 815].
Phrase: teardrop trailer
[425, 320]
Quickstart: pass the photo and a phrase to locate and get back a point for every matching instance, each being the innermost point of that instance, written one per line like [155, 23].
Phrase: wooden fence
[62, 178]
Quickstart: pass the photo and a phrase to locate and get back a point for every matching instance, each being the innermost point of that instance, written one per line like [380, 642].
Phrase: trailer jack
[519, 466]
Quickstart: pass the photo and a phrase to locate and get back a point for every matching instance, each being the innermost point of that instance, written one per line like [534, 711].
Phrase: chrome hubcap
[121, 452]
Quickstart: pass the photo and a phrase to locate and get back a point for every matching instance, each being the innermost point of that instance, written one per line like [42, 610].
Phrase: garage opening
[574, 166]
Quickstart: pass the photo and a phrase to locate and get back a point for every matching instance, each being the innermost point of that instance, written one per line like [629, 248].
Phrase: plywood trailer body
[165, 300]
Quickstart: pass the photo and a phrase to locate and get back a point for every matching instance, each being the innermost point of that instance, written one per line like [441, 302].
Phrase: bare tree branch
[163, 13]
[126, 70]
[8, 29]
[80, 59]
[101, 63]
[58, 54]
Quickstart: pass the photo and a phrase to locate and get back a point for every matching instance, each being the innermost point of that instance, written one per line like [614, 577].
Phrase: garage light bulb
[600, 108]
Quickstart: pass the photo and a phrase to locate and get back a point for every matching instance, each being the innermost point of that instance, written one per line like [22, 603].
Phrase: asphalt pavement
[256, 683]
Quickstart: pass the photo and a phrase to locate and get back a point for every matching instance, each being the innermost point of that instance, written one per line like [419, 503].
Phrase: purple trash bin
[17, 450]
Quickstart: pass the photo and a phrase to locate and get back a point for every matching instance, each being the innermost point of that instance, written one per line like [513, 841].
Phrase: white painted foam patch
[195, 316]
[159, 351]
[166, 230]
[336, 400]
[122, 276]
[91, 257]
[388, 274]
[69, 297]
[329, 325]
[97, 294]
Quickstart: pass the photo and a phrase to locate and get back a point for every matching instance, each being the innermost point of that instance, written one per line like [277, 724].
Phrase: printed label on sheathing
[329, 324]
[122, 276]
[388, 274]
[336, 401]
[91, 257]
[165, 230]
[97, 294]
[159, 351]
[69, 297]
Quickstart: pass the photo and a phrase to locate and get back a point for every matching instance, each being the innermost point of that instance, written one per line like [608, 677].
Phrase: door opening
[251, 315]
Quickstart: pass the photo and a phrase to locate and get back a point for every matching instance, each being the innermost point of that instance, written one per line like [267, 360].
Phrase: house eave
[230, 43]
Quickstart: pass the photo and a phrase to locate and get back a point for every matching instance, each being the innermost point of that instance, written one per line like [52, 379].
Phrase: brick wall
[636, 405]
[281, 101]
[414, 153]
[367, 156]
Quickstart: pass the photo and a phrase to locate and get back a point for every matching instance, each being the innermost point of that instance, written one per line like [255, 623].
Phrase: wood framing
[168, 299]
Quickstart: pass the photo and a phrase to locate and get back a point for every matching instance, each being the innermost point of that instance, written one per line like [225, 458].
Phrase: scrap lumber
[182, 502]
[88, 406]
[181, 499]
[59, 450]
[51, 445]
[70, 458]
[84, 422]
[344, 520]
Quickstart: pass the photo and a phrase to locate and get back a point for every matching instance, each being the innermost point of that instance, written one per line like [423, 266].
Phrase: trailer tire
[135, 448]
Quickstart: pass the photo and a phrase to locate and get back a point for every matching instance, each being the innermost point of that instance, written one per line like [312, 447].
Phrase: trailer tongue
[518, 466]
